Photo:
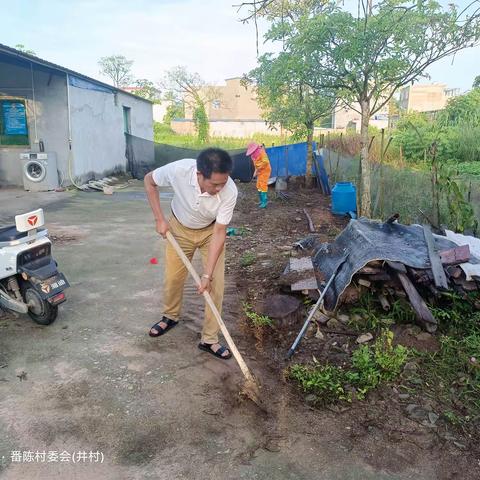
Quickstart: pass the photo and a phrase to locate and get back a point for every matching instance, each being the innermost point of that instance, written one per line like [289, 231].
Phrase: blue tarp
[288, 159]
[321, 173]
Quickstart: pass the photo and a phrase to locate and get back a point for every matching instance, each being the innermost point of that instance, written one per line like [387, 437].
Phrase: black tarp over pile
[364, 241]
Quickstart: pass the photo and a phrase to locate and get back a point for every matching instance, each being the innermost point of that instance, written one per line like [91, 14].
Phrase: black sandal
[207, 347]
[161, 331]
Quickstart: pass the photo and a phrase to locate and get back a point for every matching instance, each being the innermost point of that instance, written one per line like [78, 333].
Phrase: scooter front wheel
[39, 310]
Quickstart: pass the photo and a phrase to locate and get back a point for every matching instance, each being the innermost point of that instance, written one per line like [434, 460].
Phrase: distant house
[234, 112]
[82, 121]
[349, 118]
[426, 97]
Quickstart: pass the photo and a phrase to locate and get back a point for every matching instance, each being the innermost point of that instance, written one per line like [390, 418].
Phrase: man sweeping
[202, 207]
[262, 170]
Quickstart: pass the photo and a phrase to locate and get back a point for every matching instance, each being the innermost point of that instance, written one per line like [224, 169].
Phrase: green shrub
[415, 133]
[200, 120]
[455, 130]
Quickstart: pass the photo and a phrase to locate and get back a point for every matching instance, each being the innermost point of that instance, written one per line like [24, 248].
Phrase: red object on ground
[154, 261]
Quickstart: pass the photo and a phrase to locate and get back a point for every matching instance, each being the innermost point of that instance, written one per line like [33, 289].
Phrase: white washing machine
[39, 171]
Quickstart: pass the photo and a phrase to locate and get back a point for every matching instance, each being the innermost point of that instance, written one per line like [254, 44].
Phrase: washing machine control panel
[34, 156]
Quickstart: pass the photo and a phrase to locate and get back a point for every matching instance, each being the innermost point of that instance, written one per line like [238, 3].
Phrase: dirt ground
[399, 419]
[162, 409]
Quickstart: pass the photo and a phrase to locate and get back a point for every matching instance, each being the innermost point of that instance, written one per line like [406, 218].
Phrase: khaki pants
[175, 274]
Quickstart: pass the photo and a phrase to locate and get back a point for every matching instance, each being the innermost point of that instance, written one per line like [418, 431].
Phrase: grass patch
[371, 366]
[164, 134]
[247, 259]
[373, 318]
[452, 375]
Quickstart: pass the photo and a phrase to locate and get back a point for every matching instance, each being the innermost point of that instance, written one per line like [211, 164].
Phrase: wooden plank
[384, 302]
[422, 312]
[380, 277]
[367, 270]
[350, 295]
[439, 276]
[454, 272]
[397, 266]
[415, 274]
[456, 255]
[311, 227]
[468, 286]
[365, 283]
[420, 276]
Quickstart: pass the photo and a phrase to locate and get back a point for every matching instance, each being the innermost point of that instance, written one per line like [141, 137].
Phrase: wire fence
[403, 190]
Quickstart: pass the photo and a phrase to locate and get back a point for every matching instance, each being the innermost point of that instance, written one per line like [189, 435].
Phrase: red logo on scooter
[32, 220]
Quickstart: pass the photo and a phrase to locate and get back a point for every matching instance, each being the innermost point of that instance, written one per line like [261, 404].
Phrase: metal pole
[314, 309]
[34, 104]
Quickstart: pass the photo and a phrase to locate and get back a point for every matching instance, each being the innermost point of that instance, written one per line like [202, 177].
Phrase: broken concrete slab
[300, 274]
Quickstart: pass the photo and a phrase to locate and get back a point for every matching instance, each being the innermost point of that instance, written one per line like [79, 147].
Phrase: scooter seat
[10, 233]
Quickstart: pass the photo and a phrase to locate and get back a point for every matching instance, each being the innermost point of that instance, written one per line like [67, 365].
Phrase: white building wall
[160, 110]
[98, 139]
[223, 128]
[46, 120]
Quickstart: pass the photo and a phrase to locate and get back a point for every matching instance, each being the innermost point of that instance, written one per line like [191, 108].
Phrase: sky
[206, 36]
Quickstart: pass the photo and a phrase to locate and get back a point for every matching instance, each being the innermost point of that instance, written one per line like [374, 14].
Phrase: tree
[369, 56]
[175, 109]
[463, 109]
[278, 10]
[24, 49]
[147, 89]
[287, 99]
[117, 68]
[190, 88]
[476, 82]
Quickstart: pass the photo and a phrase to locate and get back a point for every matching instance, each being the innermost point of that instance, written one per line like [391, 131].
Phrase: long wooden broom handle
[231, 345]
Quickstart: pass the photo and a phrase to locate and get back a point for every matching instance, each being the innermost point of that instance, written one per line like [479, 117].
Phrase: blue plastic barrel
[344, 198]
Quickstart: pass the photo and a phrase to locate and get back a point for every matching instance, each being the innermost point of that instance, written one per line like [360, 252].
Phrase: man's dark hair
[214, 160]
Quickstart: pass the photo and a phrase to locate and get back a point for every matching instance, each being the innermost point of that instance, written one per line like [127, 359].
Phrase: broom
[250, 388]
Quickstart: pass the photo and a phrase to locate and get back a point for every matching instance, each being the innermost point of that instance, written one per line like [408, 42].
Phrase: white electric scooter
[29, 279]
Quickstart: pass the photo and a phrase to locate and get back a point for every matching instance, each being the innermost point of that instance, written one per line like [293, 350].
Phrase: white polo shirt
[193, 208]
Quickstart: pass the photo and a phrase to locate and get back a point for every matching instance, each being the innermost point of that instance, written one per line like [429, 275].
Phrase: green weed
[256, 319]
[247, 259]
[370, 367]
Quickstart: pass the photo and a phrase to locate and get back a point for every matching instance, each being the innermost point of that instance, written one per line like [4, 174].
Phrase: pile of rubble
[389, 261]
[392, 280]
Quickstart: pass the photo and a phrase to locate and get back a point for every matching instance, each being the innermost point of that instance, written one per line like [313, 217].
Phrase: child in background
[262, 170]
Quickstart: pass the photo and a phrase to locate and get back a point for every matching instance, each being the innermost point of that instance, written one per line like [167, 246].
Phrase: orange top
[260, 159]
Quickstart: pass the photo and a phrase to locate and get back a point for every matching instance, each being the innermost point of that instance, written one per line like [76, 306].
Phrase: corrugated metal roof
[39, 61]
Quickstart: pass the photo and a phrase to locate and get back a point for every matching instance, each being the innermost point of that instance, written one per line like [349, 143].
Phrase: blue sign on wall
[14, 118]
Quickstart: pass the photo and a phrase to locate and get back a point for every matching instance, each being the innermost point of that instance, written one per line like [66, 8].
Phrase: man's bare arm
[161, 224]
